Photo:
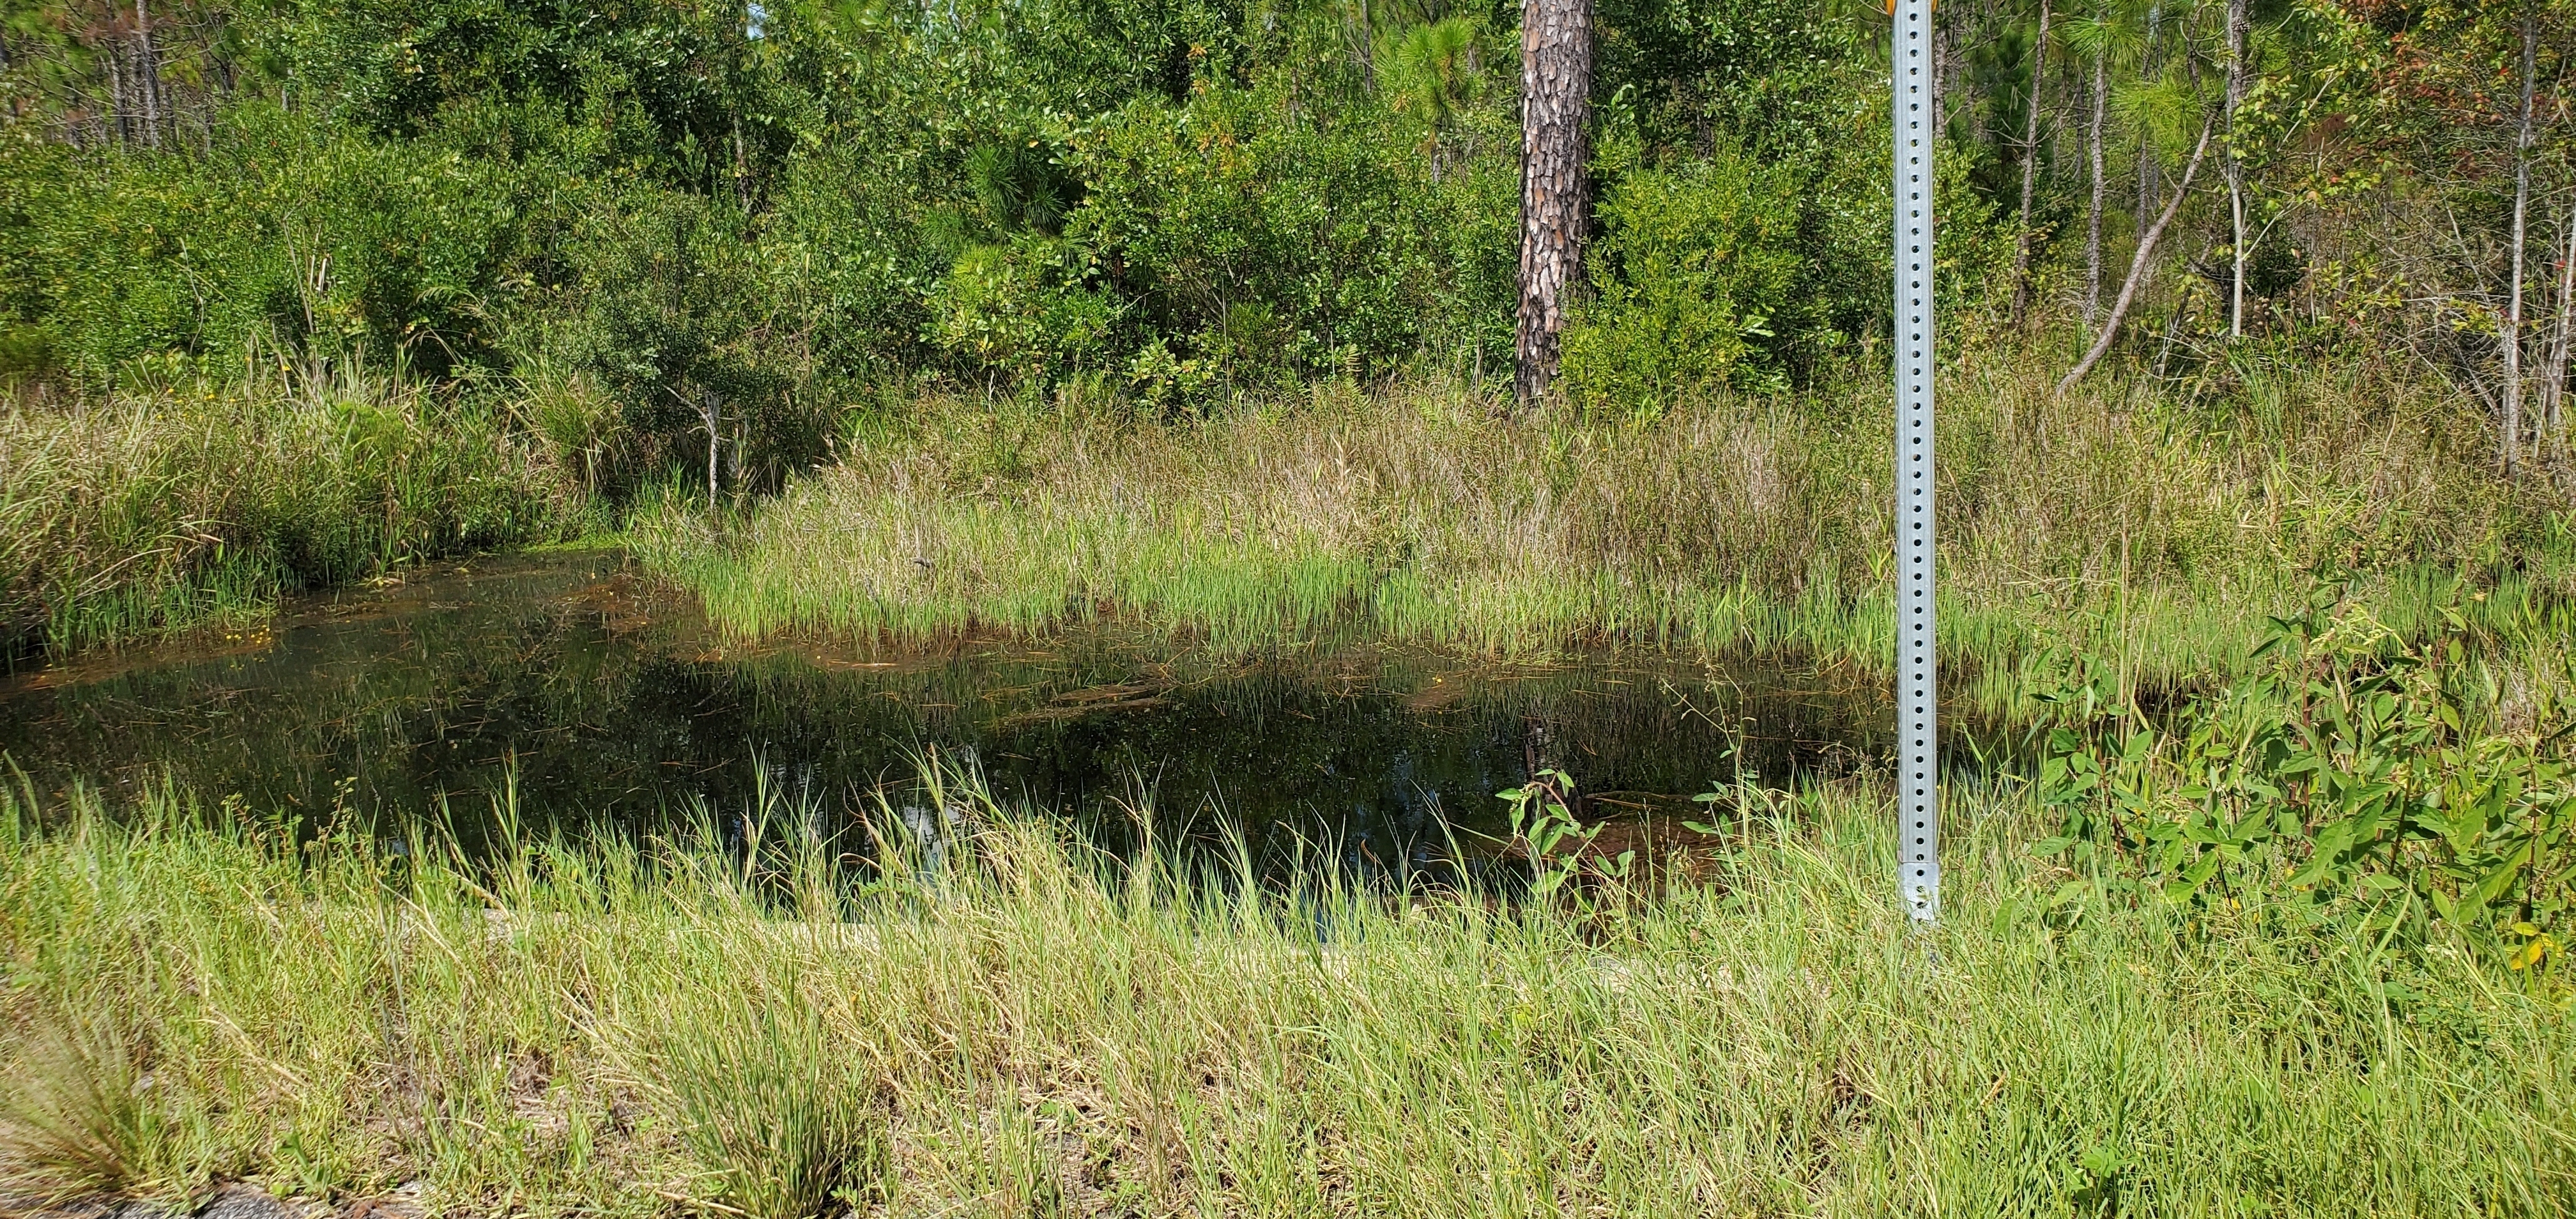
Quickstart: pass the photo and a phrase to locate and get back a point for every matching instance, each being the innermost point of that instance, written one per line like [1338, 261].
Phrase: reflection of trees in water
[1365, 756]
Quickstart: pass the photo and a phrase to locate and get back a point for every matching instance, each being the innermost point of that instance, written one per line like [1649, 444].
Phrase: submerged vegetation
[755, 1025]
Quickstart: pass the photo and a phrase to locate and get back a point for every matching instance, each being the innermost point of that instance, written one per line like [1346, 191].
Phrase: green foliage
[2355, 768]
[1019, 308]
[1184, 202]
[776, 1120]
[666, 91]
[1742, 257]
[1434, 74]
[1259, 245]
[676, 322]
[281, 232]
[1695, 261]
[1779, 76]
[1556, 843]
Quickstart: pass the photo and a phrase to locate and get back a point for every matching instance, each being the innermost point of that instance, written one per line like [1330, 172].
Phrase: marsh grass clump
[76, 1114]
[2133, 520]
[746, 1023]
[200, 499]
[777, 1117]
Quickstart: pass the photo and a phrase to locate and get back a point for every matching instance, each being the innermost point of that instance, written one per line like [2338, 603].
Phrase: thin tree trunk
[1368, 50]
[2509, 446]
[712, 412]
[2138, 267]
[120, 128]
[2553, 379]
[1556, 90]
[2235, 170]
[2101, 184]
[2147, 70]
[2029, 168]
[147, 65]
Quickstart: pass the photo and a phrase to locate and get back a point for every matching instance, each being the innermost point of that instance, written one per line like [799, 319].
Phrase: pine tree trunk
[2101, 184]
[2236, 21]
[1556, 90]
[2029, 168]
[2509, 445]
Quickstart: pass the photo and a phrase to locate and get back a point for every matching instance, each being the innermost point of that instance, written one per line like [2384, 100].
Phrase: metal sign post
[1918, 788]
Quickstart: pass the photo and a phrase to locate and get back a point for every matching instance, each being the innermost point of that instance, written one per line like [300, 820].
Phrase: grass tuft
[777, 1119]
[76, 1115]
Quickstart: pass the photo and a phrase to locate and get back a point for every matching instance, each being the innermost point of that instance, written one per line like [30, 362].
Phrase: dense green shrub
[1697, 260]
[733, 237]
[1259, 244]
[278, 230]
[674, 322]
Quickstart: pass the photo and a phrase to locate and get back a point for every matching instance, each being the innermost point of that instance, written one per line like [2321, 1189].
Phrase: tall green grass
[1035, 1028]
[201, 499]
[2128, 519]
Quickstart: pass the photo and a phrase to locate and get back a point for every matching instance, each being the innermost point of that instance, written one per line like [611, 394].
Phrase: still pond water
[606, 699]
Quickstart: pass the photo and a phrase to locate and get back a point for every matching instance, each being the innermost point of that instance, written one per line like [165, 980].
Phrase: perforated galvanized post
[1918, 786]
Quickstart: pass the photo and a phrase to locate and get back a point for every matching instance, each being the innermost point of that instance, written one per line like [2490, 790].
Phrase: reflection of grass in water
[414, 700]
[2157, 531]
[1035, 1025]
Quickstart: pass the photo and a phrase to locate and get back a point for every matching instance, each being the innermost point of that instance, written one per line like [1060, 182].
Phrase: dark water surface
[608, 700]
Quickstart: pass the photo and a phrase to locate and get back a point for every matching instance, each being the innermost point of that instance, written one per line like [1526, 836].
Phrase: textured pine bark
[1556, 95]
